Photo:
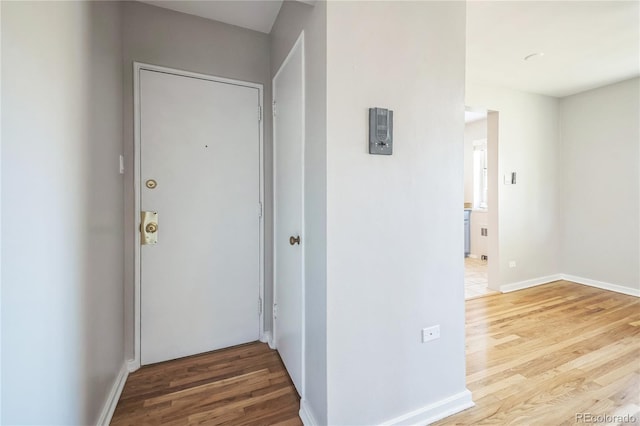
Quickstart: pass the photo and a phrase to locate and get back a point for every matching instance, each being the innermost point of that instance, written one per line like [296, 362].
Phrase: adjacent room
[476, 204]
[248, 212]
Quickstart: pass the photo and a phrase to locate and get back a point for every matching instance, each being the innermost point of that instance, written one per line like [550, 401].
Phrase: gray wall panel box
[380, 131]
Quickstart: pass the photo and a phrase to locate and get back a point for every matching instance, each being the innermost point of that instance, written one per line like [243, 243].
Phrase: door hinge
[260, 210]
[259, 113]
[259, 305]
[273, 108]
[275, 311]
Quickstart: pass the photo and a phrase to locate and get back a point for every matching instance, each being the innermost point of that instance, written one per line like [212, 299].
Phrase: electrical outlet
[430, 333]
[512, 264]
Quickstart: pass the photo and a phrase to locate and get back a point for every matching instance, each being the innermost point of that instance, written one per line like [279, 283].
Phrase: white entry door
[288, 93]
[200, 171]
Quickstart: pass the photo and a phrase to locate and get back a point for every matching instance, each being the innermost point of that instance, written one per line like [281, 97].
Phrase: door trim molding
[301, 45]
[135, 363]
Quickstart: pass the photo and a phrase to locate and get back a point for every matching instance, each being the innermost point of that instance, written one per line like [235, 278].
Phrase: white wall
[600, 184]
[472, 132]
[292, 19]
[62, 266]
[394, 223]
[163, 37]
[528, 222]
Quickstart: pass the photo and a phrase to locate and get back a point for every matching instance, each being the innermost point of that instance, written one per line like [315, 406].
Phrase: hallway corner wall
[62, 201]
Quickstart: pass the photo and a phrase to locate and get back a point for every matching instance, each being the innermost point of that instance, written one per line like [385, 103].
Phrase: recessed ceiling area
[257, 15]
[585, 44]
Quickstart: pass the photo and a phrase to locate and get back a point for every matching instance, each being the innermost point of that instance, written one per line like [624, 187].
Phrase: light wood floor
[540, 356]
[534, 357]
[243, 385]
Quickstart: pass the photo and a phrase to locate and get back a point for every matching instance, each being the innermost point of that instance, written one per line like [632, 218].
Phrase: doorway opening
[480, 202]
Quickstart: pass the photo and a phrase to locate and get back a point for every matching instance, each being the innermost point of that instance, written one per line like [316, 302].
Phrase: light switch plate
[509, 178]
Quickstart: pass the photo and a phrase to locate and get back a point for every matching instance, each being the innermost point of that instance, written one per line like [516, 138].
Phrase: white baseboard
[506, 288]
[113, 397]
[306, 414]
[579, 280]
[602, 285]
[133, 365]
[267, 338]
[436, 411]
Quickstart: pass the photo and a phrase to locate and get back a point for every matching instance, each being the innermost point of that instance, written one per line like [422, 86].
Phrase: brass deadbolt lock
[151, 184]
[148, 228]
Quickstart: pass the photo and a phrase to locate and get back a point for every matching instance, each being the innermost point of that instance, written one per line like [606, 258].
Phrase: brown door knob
[294, 240]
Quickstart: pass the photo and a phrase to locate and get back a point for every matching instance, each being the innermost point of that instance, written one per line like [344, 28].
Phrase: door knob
[294, 240]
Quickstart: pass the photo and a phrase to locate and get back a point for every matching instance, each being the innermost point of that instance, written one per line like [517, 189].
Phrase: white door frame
[134, 364]
[298, 44]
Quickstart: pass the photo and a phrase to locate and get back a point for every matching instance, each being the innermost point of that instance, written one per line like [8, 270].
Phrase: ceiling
[586, 44]
[257, 15]
[470, 116]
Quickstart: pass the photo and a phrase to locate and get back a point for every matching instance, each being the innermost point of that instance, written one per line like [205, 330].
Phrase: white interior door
[288, 93]
[200, 143]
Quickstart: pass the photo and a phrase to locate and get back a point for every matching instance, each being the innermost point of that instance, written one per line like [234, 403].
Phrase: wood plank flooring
[541, 356]
[534, 357]
[243, 385]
